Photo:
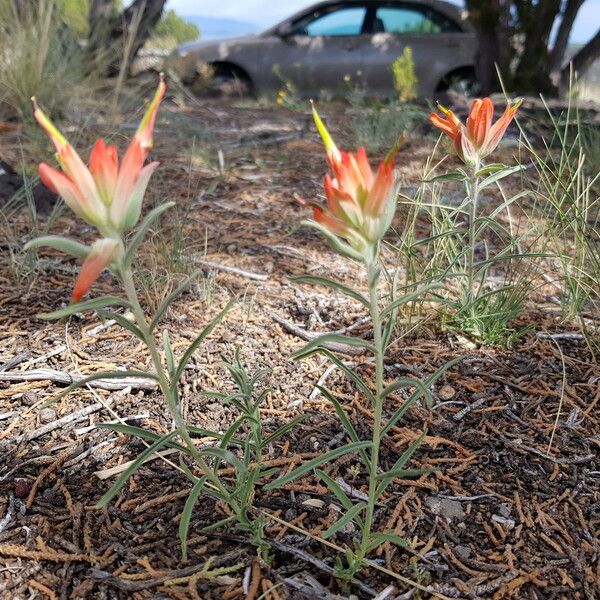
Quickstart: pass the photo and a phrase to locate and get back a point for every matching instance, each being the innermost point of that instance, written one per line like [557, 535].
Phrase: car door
[323, 50]
[438, 45]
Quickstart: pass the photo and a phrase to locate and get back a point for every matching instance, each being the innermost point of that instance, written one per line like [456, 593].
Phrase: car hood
[216, 46]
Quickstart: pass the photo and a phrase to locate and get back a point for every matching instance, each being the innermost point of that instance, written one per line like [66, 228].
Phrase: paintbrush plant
[108, 194]
[478, 311]
[360, 208]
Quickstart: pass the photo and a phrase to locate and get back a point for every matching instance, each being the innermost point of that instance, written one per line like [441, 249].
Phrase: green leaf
[140, 433]
[283, 430]
[347, 518]
[398, 469]
[381, 538]
[317, 462]
[169, 299]
[498, 175]
[490, 169]
[406, 382]
[142, 230]
[57, 242]
[335, 488]
[169, 356]
[225, 456]
[101, 375]
[205, 333]
[332, 284]
[340, 364]
[336, 338]
[423, 385]
[415, 296]
[123, 321]
[213, 434]
[347, 424]
[336, 243]
[451, 176]
[186, 515]
[94, 304]
[135, 465]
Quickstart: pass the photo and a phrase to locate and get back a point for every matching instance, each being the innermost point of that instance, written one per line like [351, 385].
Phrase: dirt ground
[500, 516]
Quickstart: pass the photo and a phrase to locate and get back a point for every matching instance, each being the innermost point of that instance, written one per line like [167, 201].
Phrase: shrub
[405, 78]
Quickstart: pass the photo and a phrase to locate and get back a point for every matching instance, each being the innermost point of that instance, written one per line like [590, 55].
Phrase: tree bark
[109, 33]
[564, 32]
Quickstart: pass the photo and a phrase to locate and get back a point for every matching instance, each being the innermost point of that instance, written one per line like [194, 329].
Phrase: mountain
[212, 28]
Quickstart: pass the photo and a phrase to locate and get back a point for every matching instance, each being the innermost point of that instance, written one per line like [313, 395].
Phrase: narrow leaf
[171, 297]
[283, 430]
[186, 515]
[142, 230]
[140, 433]
[135, 465]
[347, 518]
[451, 176]
[335, 488]
[336, 338]
[381, 538]
[317, 462]
[205, 333]
[94, 304]
[340, 364]
[123, 321]
[332, 284]
[345, 420]
[416, 296]
[70, 247]
[498, 175]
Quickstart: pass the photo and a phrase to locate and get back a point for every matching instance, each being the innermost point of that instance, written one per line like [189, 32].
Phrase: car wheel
[229, 82]
[461, 82]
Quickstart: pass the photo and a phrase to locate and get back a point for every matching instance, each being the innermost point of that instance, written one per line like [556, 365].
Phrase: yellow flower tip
[517, 104]
[330, 146]
[445, 110]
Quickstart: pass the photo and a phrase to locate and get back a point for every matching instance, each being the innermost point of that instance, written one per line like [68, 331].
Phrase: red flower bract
[479, 138]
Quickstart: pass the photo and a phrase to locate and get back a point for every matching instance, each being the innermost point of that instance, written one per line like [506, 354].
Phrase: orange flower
[360, 203]
[104, 195]
[479, 138]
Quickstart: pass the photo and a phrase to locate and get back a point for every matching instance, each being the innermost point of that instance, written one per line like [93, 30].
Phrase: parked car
[337, 44]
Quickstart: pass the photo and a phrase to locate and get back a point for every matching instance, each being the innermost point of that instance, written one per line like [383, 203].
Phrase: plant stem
[473, 201]
[373, 277]
[167, 387]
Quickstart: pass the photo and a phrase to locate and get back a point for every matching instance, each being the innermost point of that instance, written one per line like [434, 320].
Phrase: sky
[268, 12]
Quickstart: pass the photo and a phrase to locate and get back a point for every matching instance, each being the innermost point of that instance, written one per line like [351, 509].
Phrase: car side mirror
[284, 30]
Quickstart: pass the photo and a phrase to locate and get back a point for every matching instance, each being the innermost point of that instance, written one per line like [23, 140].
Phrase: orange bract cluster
[106, 194]
[360, 203]
[479, 138]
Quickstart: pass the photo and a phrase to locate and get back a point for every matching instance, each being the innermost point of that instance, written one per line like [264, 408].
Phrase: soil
[510, 508]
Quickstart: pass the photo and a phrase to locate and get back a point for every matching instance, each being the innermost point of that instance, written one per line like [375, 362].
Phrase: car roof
[446, 8]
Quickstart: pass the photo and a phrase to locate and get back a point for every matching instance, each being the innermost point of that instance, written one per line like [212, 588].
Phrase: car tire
[462, 82]
[230, 83]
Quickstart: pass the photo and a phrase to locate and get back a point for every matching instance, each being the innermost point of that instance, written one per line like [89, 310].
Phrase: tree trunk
[485, 16]
[110, 33]
[557, 55]
[532, 72]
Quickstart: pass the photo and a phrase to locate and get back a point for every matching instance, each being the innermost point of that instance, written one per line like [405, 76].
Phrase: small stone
[444, 507]
[446, 392]
[462, 551]
[47, 415]
[22, 489]
[29, 398]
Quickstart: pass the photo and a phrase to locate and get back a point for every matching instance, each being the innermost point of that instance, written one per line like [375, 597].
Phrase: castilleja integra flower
[479, 138]
[106, 194]
[360, 203]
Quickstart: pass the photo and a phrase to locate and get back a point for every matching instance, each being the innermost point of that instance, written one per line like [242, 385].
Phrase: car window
[343, 21]
[411, 20]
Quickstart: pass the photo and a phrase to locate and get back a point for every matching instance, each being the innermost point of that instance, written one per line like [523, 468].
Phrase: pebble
[47, 415]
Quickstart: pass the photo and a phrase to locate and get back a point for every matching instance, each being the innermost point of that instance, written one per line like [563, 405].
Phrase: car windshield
[343, 21]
